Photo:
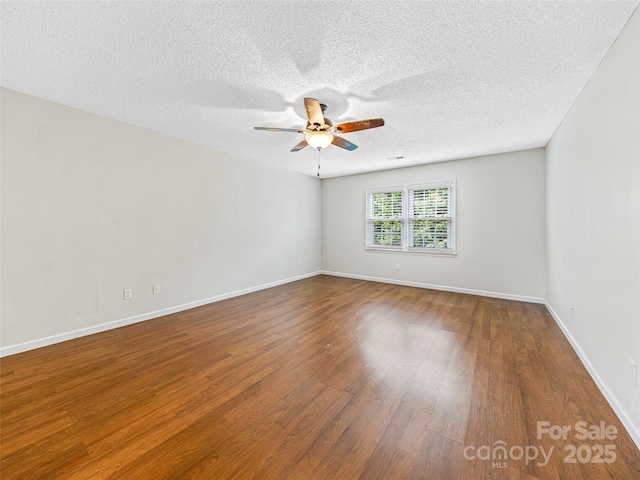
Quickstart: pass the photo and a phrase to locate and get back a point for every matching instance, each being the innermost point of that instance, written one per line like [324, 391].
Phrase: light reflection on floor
[395, 350]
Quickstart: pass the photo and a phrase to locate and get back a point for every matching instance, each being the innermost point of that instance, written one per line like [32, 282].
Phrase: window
[412, 218]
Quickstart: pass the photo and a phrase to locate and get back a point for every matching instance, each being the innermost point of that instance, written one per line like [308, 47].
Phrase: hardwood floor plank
[438, 458]
[325, 378]
[409, 424]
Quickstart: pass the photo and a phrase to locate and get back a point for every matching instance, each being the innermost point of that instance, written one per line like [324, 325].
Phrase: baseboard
[81, 332]
[611, 397]
[469, 291]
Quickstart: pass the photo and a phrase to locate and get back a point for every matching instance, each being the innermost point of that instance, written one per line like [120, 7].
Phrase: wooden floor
[325, 378]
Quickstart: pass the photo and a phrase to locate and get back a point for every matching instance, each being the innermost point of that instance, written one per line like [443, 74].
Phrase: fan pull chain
[318, 162]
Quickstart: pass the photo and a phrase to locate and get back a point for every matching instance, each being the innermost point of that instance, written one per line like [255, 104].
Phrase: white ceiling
[451, 79]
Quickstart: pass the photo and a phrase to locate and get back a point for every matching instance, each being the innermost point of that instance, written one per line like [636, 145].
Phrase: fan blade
[299, 146]
[342, 143]
[274, 129]
[314, 111]
[359, 125]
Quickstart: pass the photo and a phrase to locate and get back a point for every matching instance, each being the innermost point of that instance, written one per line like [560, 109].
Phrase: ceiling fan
[320, 131]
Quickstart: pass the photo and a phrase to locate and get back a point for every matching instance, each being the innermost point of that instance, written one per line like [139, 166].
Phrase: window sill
[436, 253]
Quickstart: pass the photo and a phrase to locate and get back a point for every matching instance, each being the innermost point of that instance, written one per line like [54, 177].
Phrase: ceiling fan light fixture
[320, 139]
[318, 132]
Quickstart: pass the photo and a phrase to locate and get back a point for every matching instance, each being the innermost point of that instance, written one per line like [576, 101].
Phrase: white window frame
[407, 218]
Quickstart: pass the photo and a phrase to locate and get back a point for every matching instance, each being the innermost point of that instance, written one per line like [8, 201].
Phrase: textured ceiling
[451, 79]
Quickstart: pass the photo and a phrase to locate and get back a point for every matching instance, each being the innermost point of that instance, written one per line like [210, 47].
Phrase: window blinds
[386, 218]
[417, 218]
[429, 217]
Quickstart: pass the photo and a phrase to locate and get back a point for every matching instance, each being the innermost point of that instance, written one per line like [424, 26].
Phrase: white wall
[500, 227]
[91, 206]
[593, 222]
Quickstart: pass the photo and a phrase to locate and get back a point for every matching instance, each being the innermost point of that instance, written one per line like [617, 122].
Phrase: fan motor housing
[327, 124]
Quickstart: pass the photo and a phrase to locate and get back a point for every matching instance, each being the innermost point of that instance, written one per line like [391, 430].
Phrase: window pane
[387, 205]
[430, 234]
[433, 202]
[387, 233]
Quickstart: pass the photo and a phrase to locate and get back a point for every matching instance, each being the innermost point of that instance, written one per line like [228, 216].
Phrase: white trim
[437, 252]
[37, 343]
[611, 397]
[81, 332]
[469, 291]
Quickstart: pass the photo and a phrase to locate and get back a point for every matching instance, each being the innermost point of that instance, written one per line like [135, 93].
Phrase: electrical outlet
[156, 289]
[127, 294]
[397, 266]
